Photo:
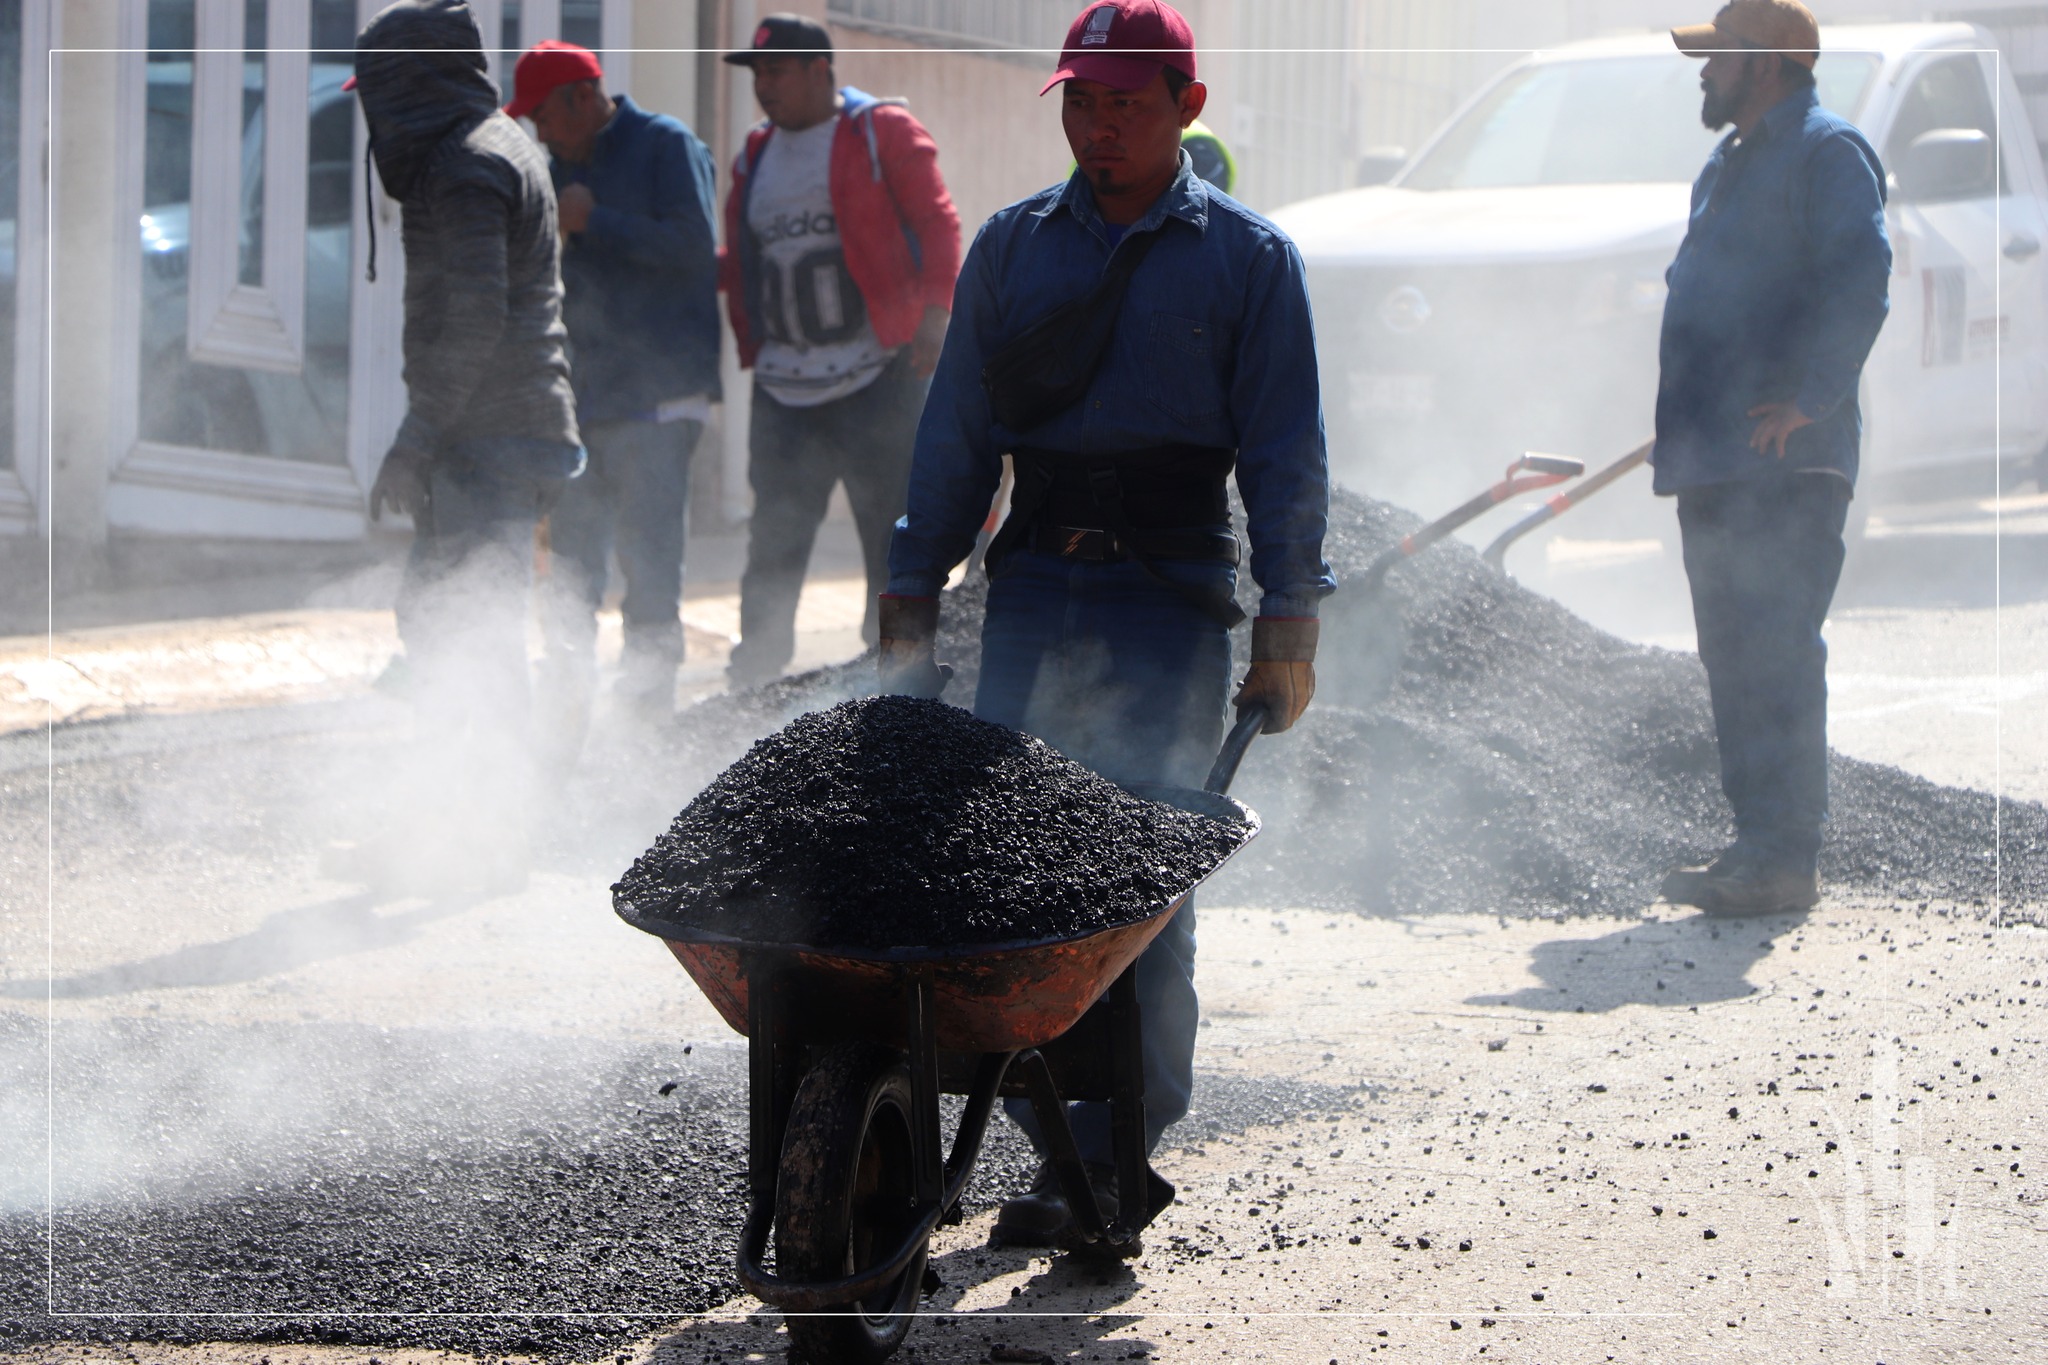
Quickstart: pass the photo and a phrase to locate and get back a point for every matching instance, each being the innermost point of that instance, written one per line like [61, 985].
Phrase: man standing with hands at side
[1112, 582]
[640, 299]
[1777, 293]
[842, 245]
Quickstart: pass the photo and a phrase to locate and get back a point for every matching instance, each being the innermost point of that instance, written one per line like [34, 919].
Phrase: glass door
[246, 292]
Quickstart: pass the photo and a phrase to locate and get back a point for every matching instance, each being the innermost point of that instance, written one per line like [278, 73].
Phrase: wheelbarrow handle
[1250, 722]
[1496, 553]
[1563, 466]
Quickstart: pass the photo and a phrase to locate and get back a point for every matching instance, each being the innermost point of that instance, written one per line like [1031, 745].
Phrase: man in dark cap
[1112, 583]
[489, 434]
[640, 270]
[1777, 294]
[841, 248]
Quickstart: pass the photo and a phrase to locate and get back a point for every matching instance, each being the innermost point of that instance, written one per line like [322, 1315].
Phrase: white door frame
[185, 490]
[23, 507]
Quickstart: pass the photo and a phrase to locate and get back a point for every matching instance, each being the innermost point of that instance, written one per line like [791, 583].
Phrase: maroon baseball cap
[544, 68]
[1124, 43]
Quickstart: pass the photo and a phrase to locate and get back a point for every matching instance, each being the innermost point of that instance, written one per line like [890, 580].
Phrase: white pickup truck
[1503, 292]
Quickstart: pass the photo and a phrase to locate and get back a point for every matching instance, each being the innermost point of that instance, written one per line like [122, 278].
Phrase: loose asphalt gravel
[1475, 747]
[887, 822]
[520, 1196]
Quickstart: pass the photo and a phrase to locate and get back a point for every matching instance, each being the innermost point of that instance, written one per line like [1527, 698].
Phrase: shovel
[1531, 472]
[1560, 503]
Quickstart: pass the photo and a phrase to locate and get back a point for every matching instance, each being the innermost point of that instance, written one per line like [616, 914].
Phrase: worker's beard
[1717, 109]
[1103, 181]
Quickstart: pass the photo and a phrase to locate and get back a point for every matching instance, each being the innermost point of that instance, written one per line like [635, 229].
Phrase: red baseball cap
[544, 68]
[1125, 43]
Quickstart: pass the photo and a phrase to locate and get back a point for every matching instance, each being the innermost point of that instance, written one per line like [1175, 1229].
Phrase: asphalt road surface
[241, 1102]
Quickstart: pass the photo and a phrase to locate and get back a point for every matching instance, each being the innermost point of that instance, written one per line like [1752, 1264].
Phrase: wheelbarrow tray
[987, 997]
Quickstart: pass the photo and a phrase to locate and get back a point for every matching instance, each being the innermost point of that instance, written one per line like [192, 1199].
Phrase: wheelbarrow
[848, 1053]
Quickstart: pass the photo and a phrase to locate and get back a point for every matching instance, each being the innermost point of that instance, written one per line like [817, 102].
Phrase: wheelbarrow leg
[1057, 1133]
[771, 1085]
[1141, 1191]
[921, 1037]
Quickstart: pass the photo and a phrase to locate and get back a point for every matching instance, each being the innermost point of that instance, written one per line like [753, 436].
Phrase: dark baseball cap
[785, 33]
[1125, 43]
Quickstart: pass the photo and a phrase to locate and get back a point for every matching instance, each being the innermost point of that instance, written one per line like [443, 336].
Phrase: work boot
[1686, 885]
[563, 693]
[1760, 888]
[646, 689]
[1040, 1217]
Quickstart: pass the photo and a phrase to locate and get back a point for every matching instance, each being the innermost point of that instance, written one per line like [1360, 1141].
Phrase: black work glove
[402, 478]
[1282, 677]
[908, 666]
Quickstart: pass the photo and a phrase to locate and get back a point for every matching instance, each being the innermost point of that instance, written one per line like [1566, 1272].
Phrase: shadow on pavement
[1692, 961]
[1064, 1312]
[282, 942]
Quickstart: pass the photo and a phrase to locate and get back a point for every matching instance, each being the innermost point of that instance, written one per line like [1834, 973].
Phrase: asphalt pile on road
[886, 822]
[1476, 747]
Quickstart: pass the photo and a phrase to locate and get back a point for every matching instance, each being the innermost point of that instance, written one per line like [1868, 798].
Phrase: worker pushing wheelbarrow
[850, 1048]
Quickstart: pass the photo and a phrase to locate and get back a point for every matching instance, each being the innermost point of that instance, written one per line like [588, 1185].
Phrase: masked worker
[1777, 293]
[1113, 578]
[842, 245]
[640, 273]
[489, 434]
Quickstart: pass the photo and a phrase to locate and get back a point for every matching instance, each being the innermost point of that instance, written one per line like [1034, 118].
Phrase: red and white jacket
[897, 224]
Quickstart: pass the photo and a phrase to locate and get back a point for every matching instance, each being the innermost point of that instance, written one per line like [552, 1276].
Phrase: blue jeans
[1763, 557]
[1125, 675]
[635, 494]
[462, 609]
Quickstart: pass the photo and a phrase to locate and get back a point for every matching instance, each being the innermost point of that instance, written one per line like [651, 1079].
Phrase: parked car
[1504, 291]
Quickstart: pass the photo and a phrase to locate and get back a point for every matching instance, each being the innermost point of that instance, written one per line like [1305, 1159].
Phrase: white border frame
[228, 322]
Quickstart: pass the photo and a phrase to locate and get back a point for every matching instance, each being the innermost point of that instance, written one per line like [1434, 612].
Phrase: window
[1033, 26]
[1949, 93]
[208, 206]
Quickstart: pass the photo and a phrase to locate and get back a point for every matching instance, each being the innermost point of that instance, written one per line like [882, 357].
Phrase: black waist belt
[1107, 547]
[1162, 503]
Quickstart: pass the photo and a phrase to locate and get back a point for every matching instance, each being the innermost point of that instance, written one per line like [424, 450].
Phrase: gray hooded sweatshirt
[484, 342]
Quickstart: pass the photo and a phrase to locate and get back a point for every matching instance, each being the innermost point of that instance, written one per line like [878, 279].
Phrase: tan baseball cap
[1767, 25]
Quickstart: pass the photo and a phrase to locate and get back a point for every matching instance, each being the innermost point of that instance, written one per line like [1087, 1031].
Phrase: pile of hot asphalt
[1475, 747]
[887, 822]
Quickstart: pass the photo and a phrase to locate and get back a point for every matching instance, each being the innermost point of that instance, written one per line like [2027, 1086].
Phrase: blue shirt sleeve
[678, 234]
[1283, 468]
[955, 466]
[1849, 248]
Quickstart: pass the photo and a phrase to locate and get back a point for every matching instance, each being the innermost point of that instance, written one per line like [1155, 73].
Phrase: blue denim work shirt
[1213, 347]
[640, 282]
[1778, 291]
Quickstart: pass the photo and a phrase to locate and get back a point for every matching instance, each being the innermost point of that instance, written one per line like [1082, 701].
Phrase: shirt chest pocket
[1180, 367]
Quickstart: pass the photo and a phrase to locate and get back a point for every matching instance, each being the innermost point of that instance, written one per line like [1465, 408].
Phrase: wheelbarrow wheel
[846, 1199]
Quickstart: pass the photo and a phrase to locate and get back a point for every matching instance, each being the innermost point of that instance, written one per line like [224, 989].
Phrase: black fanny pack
[1044, 370]
[1166, 502]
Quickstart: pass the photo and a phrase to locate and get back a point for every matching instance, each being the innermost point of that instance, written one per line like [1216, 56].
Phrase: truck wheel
[846, 1199]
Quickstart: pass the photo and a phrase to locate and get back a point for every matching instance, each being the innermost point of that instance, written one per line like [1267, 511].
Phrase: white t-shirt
[818, 343]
